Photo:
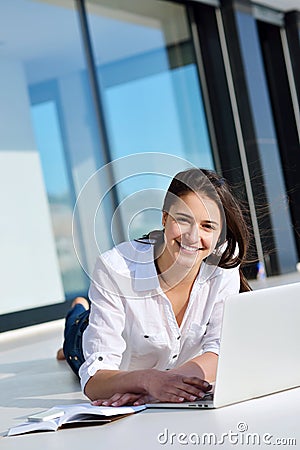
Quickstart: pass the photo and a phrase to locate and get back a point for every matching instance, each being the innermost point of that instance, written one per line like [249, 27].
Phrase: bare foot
[78, 300]
[60, 355]
[82, 301]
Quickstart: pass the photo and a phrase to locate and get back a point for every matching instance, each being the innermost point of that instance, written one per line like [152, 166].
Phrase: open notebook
[72, 415]
[260, 347]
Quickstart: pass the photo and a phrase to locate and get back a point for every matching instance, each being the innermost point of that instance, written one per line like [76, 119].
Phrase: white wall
[30, 274]
[29, 270]
[15, 122]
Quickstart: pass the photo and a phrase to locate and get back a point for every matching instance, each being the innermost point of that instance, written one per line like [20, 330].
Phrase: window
[151, 97]
[48, 148]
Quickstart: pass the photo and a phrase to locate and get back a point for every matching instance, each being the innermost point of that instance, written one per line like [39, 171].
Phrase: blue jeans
[77, 320]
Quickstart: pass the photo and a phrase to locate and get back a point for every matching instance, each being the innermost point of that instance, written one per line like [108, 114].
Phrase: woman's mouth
[189, 248]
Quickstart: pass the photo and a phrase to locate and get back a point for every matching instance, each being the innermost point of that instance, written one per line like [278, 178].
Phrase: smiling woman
[157, 302]
[192, 228]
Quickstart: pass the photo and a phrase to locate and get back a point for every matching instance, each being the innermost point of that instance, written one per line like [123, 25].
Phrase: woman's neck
[173, 274]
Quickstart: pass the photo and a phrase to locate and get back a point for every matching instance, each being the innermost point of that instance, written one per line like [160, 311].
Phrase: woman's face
[192, 228]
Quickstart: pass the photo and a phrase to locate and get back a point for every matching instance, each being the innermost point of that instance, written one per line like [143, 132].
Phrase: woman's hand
[161, 387]
[157, 386]
[124, 399]
[173, 387]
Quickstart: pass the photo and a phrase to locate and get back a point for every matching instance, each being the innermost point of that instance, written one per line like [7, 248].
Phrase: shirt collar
[145, 277]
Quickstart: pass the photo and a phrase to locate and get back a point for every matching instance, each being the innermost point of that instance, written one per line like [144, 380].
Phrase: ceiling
[281, 5]
[32, 31]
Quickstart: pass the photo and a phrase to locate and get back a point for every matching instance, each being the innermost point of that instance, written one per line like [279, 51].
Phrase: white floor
[31, 379]
[293, 277]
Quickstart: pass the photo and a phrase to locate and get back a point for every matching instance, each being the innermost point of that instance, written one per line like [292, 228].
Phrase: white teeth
[187, 247]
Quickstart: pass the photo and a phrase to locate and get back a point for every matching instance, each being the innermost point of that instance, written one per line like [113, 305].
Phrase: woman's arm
[203, 366]
[164, 386]
[178, 384]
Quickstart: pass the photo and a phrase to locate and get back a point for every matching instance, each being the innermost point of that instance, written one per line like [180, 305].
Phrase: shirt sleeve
[103, 344]
[228, 284]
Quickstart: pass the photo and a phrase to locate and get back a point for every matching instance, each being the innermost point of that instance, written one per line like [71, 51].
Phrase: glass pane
[151, 95]
[267, 142]
[49, 147]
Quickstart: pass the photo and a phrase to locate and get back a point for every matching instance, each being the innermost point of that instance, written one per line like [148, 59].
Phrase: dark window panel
[284, 116]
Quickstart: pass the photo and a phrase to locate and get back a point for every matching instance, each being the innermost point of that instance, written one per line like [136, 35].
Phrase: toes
[60, 355]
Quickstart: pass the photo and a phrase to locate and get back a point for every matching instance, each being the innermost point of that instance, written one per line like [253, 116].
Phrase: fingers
[194, 387]
[97, 402]
[125, 399]
[189, 388]
[177, 395]
[195, 381]
[145, 399]
[177, 388]
[117, 400]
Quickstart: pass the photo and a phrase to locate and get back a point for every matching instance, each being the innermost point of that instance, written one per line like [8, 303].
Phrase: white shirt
[132, 324]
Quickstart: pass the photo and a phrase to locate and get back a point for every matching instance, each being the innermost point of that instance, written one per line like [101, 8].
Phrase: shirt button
[146, 336]
[175, 356]
[100, 358]
[179, 337]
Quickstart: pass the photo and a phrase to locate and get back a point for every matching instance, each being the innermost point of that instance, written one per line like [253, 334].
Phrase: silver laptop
[260, 347]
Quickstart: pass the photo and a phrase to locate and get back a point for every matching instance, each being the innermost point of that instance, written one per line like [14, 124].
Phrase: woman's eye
[208, 226]
[183, 220]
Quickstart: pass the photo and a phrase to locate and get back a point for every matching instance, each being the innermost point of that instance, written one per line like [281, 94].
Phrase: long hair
[234, 237]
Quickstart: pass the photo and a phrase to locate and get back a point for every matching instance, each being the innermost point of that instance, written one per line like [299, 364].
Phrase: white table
[31, 380]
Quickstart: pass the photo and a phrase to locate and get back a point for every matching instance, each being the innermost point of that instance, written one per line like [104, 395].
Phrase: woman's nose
[193, 234]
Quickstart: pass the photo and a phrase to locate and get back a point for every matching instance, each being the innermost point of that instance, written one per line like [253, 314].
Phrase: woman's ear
[164, 218]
